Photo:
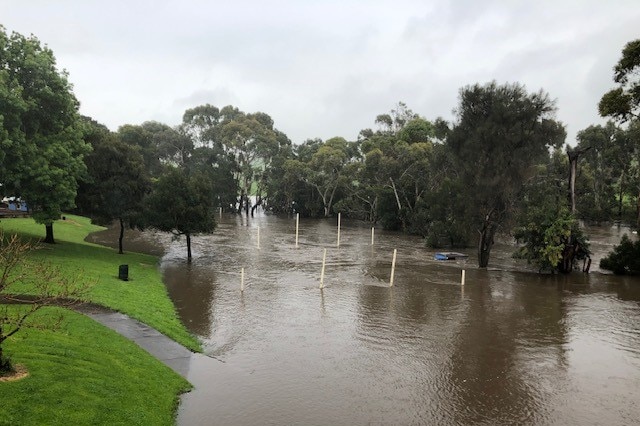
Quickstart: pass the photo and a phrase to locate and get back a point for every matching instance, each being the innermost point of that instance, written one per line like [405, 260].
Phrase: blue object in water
[451, 255]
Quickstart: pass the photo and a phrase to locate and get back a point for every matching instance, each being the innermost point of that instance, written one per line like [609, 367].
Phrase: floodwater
[508, 347]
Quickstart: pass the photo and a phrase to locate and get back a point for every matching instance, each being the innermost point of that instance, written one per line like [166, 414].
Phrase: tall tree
[41, 131]
[608, 164]
[116, 185]
[501, 133]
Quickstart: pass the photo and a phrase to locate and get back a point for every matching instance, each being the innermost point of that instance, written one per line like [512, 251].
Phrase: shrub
[624, 259]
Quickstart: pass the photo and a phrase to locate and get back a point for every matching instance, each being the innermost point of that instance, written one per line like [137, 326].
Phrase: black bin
[123, 272]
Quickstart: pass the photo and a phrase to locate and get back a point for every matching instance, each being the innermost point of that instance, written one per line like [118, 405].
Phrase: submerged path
[171, 353]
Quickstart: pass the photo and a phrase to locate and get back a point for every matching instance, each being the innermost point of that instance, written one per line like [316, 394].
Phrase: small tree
[49, 287]
[553, 241]
[182, 204]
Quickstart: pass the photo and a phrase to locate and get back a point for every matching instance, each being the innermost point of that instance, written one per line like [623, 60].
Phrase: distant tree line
[501, 167]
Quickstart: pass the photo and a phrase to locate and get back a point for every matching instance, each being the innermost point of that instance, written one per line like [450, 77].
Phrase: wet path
[172, 354]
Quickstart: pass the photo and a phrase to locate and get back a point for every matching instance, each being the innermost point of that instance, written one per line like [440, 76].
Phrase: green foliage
[549, 237]
[117, 181]
[448, 226]
[605, 171]
[182, 203]
[624, 259]
[623, 102]
[40, 133]
[502, 133]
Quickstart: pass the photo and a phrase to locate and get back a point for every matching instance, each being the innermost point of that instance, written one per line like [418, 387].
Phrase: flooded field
[508, 347]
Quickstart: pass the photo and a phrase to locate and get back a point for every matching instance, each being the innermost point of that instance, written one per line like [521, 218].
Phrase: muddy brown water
[507, 348]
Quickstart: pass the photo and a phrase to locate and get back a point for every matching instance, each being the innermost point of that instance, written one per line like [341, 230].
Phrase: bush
[624, 259]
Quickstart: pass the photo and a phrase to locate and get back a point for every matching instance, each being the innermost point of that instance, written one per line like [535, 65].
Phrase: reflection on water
[507, 348]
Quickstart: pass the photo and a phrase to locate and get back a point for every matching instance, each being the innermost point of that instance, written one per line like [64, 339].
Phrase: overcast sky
[325, 68]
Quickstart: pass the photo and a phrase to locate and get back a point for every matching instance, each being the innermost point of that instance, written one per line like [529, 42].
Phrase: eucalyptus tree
[395, 175]
[623, 102]
[40, 130]
[326, 171]
[608, 165]
[501, 133]
[250, 140]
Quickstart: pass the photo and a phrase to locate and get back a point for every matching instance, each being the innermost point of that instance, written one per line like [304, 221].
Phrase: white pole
[242, 280]
[258, 238]
[393, 267]
[297, 227]
[324, 259]
[338, 229]
[372, 233]
[220, 212]
[463, 274]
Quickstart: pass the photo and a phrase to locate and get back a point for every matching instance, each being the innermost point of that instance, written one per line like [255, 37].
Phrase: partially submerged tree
[553, 241]
[116, 185]
[182, 203]
[501, 134]
[47, 287]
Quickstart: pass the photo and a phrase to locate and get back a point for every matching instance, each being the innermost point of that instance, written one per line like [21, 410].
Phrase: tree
[116, 185]
[325, 172]
[182, 203]
[40, 130]
[251, 139]
[623, 102]
[501, 133]
[142, 138]
[396, 172]
[50, 287]
[607, 163]
[552, 240]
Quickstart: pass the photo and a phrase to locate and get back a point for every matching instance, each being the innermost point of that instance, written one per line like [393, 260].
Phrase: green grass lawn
[144, 297]
[82, 373]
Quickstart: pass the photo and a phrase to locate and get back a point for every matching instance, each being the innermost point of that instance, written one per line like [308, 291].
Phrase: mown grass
[85, 374]
[144, 297]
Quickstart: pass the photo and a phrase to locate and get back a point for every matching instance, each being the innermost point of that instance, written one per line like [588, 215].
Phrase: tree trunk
[121, 237]
[485, 245]
[5, 364]
[638, 212]
[620, 196]
[573, 171]
[49, 234]
[395, 192]
[573, 165]
[188, 247]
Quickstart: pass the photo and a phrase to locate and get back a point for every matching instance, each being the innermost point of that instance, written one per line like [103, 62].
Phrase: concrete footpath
[174, 355]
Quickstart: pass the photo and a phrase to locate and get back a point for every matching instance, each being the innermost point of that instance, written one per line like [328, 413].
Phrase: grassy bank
[144, 297]
[85, 374]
